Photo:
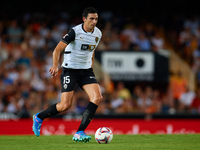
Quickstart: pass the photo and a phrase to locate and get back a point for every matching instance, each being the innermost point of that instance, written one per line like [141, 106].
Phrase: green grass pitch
[119, 142]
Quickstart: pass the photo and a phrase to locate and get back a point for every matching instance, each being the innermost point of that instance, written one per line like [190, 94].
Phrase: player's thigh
[66, 101]
[94, 92]
[67, 97]
[68, 80]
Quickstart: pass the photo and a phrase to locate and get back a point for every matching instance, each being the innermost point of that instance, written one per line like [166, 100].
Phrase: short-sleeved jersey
[81, 45]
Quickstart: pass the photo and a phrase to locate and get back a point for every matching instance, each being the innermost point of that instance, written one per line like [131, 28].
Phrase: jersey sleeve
[70, 36]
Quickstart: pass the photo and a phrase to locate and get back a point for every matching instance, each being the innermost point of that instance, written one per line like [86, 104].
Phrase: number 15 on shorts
[66, 79]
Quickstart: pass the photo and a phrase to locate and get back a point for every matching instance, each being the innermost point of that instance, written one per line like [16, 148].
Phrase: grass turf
[119, 142]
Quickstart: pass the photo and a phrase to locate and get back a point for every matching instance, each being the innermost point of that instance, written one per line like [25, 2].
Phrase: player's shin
[87, 116]
[51, 111]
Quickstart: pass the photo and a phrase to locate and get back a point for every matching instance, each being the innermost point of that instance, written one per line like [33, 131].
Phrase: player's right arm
[56, 56]
[59, 48]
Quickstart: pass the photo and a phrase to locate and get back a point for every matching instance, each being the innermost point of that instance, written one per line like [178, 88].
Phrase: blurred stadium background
[147, 63]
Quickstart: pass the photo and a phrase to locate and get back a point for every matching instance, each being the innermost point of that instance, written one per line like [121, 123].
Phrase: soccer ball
[103, 135]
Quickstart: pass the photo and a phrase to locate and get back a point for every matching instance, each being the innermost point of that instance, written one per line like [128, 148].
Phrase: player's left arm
[93, 59]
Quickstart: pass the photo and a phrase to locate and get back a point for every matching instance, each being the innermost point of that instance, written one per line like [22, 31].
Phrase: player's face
[90, 22]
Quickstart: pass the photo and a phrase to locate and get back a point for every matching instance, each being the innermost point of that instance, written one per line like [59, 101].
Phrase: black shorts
[70, 77]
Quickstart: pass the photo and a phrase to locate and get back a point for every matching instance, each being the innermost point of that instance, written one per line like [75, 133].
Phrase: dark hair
[88, 10]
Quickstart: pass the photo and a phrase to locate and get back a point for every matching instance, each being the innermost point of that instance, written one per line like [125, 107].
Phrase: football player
[78, 45]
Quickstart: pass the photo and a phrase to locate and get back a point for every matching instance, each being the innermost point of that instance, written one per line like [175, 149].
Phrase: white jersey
[81, 45]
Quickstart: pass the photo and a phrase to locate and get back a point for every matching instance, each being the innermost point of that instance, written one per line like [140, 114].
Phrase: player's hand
[54, 71]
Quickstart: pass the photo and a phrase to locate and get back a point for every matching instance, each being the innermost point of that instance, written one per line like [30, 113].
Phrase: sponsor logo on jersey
[88, 47]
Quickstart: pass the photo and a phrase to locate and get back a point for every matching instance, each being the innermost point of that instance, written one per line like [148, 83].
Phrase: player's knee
[98, 99]
[64, 107]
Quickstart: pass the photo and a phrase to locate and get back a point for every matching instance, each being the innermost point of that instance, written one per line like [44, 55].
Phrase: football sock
[51, 111]
[87, 116]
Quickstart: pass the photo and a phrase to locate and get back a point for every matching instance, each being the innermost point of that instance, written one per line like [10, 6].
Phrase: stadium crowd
[26, 45]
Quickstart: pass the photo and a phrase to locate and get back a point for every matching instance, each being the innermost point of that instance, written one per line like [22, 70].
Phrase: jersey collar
[86, 31]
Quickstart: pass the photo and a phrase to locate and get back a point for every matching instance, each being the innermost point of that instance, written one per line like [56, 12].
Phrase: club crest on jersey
[65, 86]
[96, 39]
